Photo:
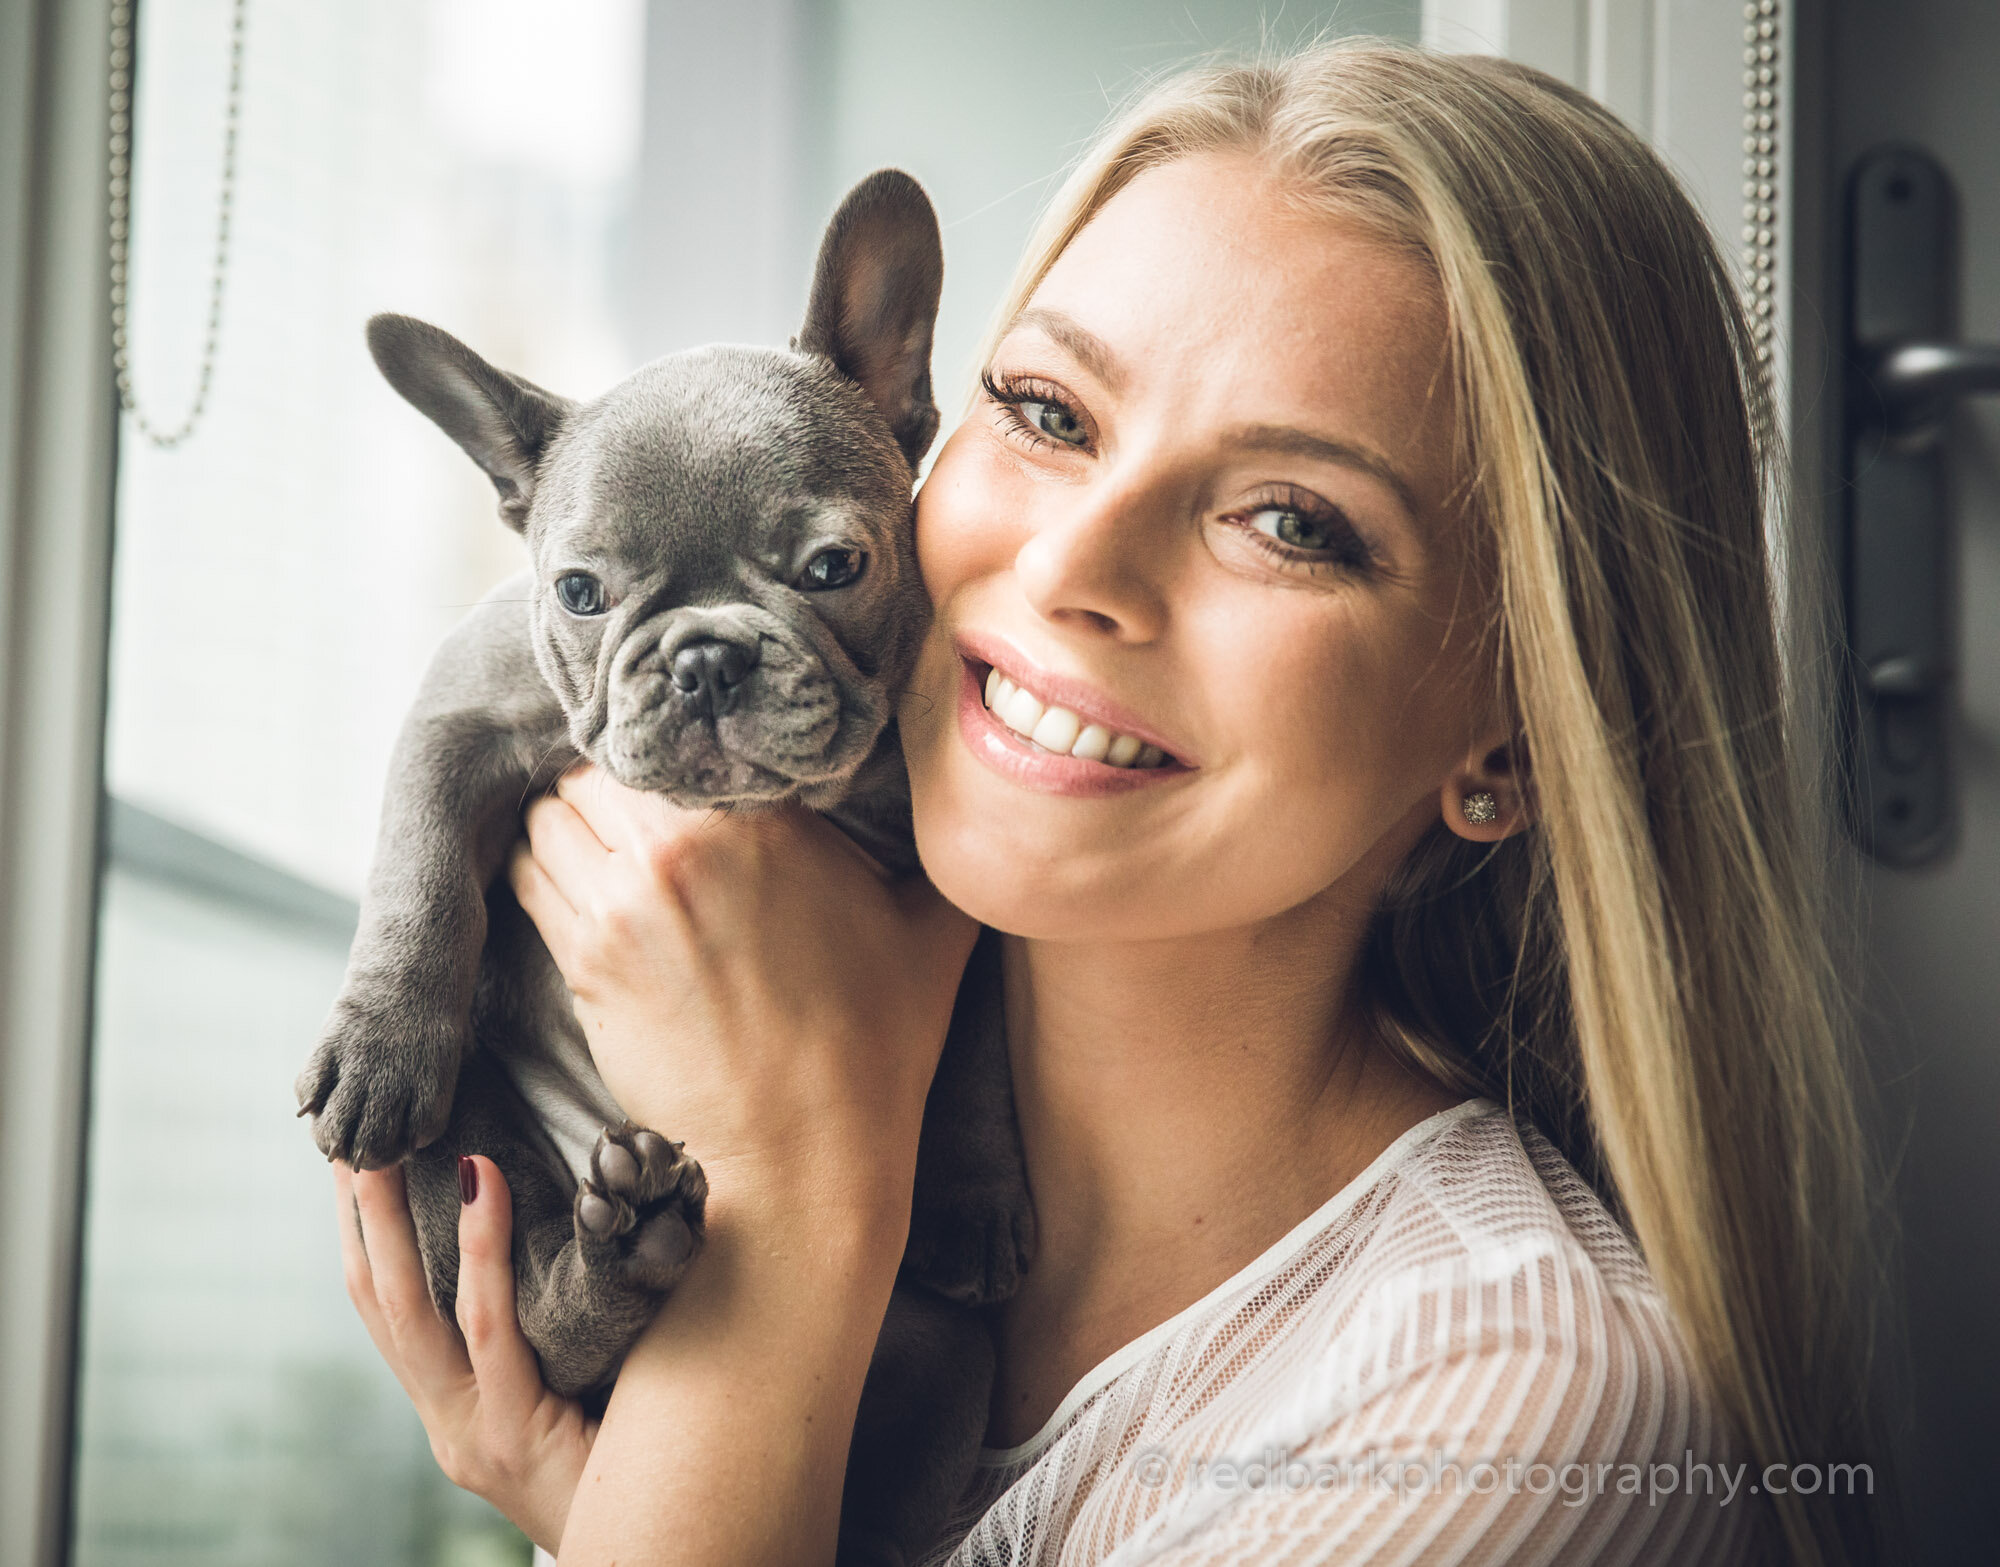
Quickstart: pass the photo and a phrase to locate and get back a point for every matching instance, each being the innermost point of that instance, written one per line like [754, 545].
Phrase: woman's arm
[726, 1440]
[729, 1427]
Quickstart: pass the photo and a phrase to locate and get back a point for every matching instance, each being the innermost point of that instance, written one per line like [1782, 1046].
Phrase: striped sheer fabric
[1459, 1358]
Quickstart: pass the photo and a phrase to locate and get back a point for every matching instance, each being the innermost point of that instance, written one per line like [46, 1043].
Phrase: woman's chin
[987, 870]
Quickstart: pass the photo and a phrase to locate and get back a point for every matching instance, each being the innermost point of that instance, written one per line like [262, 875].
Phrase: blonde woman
[1428, 1076]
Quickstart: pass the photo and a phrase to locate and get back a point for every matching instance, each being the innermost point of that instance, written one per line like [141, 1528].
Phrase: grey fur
[696, 492]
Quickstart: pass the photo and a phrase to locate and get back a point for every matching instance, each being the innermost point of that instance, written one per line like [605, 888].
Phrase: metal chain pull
[1761, 163]
[121, 223]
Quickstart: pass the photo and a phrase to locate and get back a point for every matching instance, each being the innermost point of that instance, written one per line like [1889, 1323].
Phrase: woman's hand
[495, 1428]
[750, 983]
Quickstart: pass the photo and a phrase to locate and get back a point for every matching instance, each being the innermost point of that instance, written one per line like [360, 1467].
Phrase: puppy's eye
[580, 593]
[834, 568]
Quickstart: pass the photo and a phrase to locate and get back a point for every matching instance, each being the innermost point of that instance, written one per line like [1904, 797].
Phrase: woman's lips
[1089, 705]
[1015, 757]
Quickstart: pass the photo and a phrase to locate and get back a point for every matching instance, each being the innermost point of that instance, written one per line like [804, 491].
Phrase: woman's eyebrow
[1084, 345]
[1286, 440]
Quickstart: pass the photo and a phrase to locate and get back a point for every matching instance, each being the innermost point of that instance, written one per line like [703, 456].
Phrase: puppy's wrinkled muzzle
[730, 704]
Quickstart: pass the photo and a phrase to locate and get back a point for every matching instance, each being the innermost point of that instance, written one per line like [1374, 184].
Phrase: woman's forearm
[726, 1439]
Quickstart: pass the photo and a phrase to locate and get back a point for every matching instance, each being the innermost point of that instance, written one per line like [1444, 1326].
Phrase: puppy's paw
[639, 1211]
[972, 1246]
[381, 1080]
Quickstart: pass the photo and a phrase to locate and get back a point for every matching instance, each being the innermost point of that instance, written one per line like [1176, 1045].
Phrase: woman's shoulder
[1489, 1199]
[1487, 1192]
[1482, 1242]
[1490, 1256]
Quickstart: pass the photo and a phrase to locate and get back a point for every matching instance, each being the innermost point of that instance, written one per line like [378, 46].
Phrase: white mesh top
[1461, 1357]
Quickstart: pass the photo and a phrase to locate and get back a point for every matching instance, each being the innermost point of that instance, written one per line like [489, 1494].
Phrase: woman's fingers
[422, 1346]
[354, 1268]
[597, 800]
[542, 901]
[503, 1362]
[625, 818]
[565, 845]
[493, 1427]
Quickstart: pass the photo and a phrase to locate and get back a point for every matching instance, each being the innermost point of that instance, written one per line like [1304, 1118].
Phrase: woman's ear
[1486, 799]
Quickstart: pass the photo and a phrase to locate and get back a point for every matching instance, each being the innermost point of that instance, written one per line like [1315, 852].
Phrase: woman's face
[1204, 504]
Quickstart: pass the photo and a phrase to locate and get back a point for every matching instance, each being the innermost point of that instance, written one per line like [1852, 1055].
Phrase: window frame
[58, 438]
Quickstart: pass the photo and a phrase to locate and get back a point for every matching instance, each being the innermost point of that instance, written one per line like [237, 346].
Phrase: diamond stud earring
[1480, 809]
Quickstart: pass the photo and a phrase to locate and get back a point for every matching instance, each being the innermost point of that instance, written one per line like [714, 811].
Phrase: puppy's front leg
[485, 729]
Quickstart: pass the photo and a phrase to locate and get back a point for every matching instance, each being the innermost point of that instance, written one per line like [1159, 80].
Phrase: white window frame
[57, 434]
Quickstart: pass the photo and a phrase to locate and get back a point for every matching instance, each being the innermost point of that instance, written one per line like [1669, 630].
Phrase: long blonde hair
[1644, 974]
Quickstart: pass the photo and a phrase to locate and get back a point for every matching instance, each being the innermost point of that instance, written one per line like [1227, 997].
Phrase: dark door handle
[1898, 554]
[1918, 380]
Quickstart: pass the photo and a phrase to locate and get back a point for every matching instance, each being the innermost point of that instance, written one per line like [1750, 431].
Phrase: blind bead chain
[120, 224]
[1762, 162]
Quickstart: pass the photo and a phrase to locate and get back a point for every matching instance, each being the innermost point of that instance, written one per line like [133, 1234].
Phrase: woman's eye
[834, 568]
[1307, 537]
[1055, 421]
[1032, 412]
[1295, 528]
[580, 593]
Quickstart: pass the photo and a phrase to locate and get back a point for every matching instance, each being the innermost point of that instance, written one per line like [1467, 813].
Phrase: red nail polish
[468, 1180]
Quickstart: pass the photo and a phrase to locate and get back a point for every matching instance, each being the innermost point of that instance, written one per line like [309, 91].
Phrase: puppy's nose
[707, 671]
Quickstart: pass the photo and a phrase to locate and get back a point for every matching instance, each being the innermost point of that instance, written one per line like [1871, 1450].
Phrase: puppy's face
[726, 591]
[726, 594]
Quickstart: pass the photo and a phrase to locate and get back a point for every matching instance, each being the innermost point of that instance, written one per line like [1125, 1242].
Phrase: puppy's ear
[504, 423]
[875, 300]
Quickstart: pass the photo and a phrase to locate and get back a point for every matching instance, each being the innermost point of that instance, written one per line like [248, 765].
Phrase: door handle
[1898, 554]
[1917, 381]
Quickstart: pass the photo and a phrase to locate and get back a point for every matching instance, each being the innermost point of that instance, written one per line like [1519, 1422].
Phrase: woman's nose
[1102, 563]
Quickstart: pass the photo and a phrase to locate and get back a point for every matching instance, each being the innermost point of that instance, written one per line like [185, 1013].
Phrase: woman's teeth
[1059, 730]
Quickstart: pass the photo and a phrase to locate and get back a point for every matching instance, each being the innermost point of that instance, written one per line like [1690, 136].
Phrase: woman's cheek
[967, 513]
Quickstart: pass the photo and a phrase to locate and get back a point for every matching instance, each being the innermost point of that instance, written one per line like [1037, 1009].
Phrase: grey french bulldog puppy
[723, 607]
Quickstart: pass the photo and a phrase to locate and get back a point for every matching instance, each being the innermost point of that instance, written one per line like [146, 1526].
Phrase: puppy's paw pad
[639, 1211]
[643, 1168]
[602, 1214]
[662, 1245]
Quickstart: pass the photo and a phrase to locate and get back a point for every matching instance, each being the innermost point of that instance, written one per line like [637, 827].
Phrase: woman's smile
[997, 739]
[1053, 732]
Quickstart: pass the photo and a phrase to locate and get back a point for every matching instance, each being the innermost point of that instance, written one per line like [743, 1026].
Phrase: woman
[1430, 1064]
